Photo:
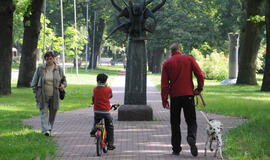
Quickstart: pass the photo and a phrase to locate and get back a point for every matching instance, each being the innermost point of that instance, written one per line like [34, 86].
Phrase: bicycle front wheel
[99, 147]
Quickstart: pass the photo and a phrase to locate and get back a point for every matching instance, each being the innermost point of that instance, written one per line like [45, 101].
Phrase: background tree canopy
[198, 24]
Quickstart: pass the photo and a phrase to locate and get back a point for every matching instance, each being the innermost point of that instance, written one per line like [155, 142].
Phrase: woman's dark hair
[102, 78]
[48, 54]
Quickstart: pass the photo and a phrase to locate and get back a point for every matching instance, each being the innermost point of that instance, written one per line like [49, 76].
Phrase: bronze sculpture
[136, 16]
[135, 27]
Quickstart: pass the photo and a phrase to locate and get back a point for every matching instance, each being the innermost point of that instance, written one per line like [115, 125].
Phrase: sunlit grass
[19, 142]
[251, 140]
[90, 76]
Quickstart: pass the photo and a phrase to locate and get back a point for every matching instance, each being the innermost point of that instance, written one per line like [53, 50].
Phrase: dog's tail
[205, 117]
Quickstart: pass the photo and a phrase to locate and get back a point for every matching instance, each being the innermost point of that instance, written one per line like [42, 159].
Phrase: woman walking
[47, 81]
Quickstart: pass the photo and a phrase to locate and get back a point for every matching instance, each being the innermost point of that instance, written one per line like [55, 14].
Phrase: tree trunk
[150, 59]
[89, 46]
[82, 6]
[99, 31]
[156, 60]
[32, 28]
[266, 77]
[98, 40]
[90, 39]
[6, 18]
[249, 44]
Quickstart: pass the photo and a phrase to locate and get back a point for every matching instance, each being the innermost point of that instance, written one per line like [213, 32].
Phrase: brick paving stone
[134, 140]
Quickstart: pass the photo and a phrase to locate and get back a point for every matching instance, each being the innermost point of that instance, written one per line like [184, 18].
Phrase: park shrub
[214, 65]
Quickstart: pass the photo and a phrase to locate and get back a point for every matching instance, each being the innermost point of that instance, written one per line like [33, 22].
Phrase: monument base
[229, 81]
[135, 113]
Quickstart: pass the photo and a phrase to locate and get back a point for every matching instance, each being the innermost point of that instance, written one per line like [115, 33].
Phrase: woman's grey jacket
[38, 85]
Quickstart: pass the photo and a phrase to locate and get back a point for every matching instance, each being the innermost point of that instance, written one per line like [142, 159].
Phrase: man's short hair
[175, 47]
[102, 78]
[48, 54]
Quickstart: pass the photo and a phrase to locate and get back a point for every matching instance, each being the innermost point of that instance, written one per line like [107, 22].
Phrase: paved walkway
[134, 140]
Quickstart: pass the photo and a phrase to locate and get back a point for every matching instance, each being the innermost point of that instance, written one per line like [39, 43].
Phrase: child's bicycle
[101, 135]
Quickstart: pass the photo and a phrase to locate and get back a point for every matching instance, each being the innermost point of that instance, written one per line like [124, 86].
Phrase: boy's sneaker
[193, 147]
[92, 134]
[111, 147]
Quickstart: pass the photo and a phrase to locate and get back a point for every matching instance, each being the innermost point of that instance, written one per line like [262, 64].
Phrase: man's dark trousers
[187, 103]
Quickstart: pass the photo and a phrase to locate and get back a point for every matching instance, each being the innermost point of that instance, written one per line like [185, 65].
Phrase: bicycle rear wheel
[98, 146]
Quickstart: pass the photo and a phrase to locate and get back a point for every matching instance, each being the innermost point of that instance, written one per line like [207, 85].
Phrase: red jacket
[176, 77]
[101, 97]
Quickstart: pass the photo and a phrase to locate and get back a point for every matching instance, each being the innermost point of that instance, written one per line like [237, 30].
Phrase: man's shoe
[47, 133]
[193, 147]
[111, 147]
[175, 153]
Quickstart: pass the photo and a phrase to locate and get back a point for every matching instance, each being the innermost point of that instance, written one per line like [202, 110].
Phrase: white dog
[214, 132]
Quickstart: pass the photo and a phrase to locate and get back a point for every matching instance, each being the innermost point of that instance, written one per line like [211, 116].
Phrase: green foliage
[256, 19]
[21, 10]
[260, 62]
[196, 24]
[192, 23]
[27, 23]
[205, 48]
[72, 42]
[21, 6]
[52, 42]
[214, 66]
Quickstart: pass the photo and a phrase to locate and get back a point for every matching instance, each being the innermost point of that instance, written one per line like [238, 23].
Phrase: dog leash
[204, 104]
[197, 100]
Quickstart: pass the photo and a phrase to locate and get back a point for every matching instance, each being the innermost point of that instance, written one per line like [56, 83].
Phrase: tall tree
[100, 10]
[6, 18]
[266, 77]
[249, 42]
[157, 55]
[32, 28]
[99, 31]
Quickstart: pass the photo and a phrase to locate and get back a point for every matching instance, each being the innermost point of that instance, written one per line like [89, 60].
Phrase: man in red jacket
[176, 81]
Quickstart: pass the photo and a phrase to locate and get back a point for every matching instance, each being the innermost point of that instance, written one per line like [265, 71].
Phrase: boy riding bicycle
[102, 107]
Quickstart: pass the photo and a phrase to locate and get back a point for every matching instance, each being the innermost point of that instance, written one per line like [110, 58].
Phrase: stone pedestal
[135, 88]
[135, 113]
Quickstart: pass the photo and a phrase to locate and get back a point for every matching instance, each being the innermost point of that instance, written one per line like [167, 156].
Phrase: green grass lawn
[251, 140]
[19, 142]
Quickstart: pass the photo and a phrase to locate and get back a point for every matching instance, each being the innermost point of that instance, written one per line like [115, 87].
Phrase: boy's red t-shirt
[101, 98]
